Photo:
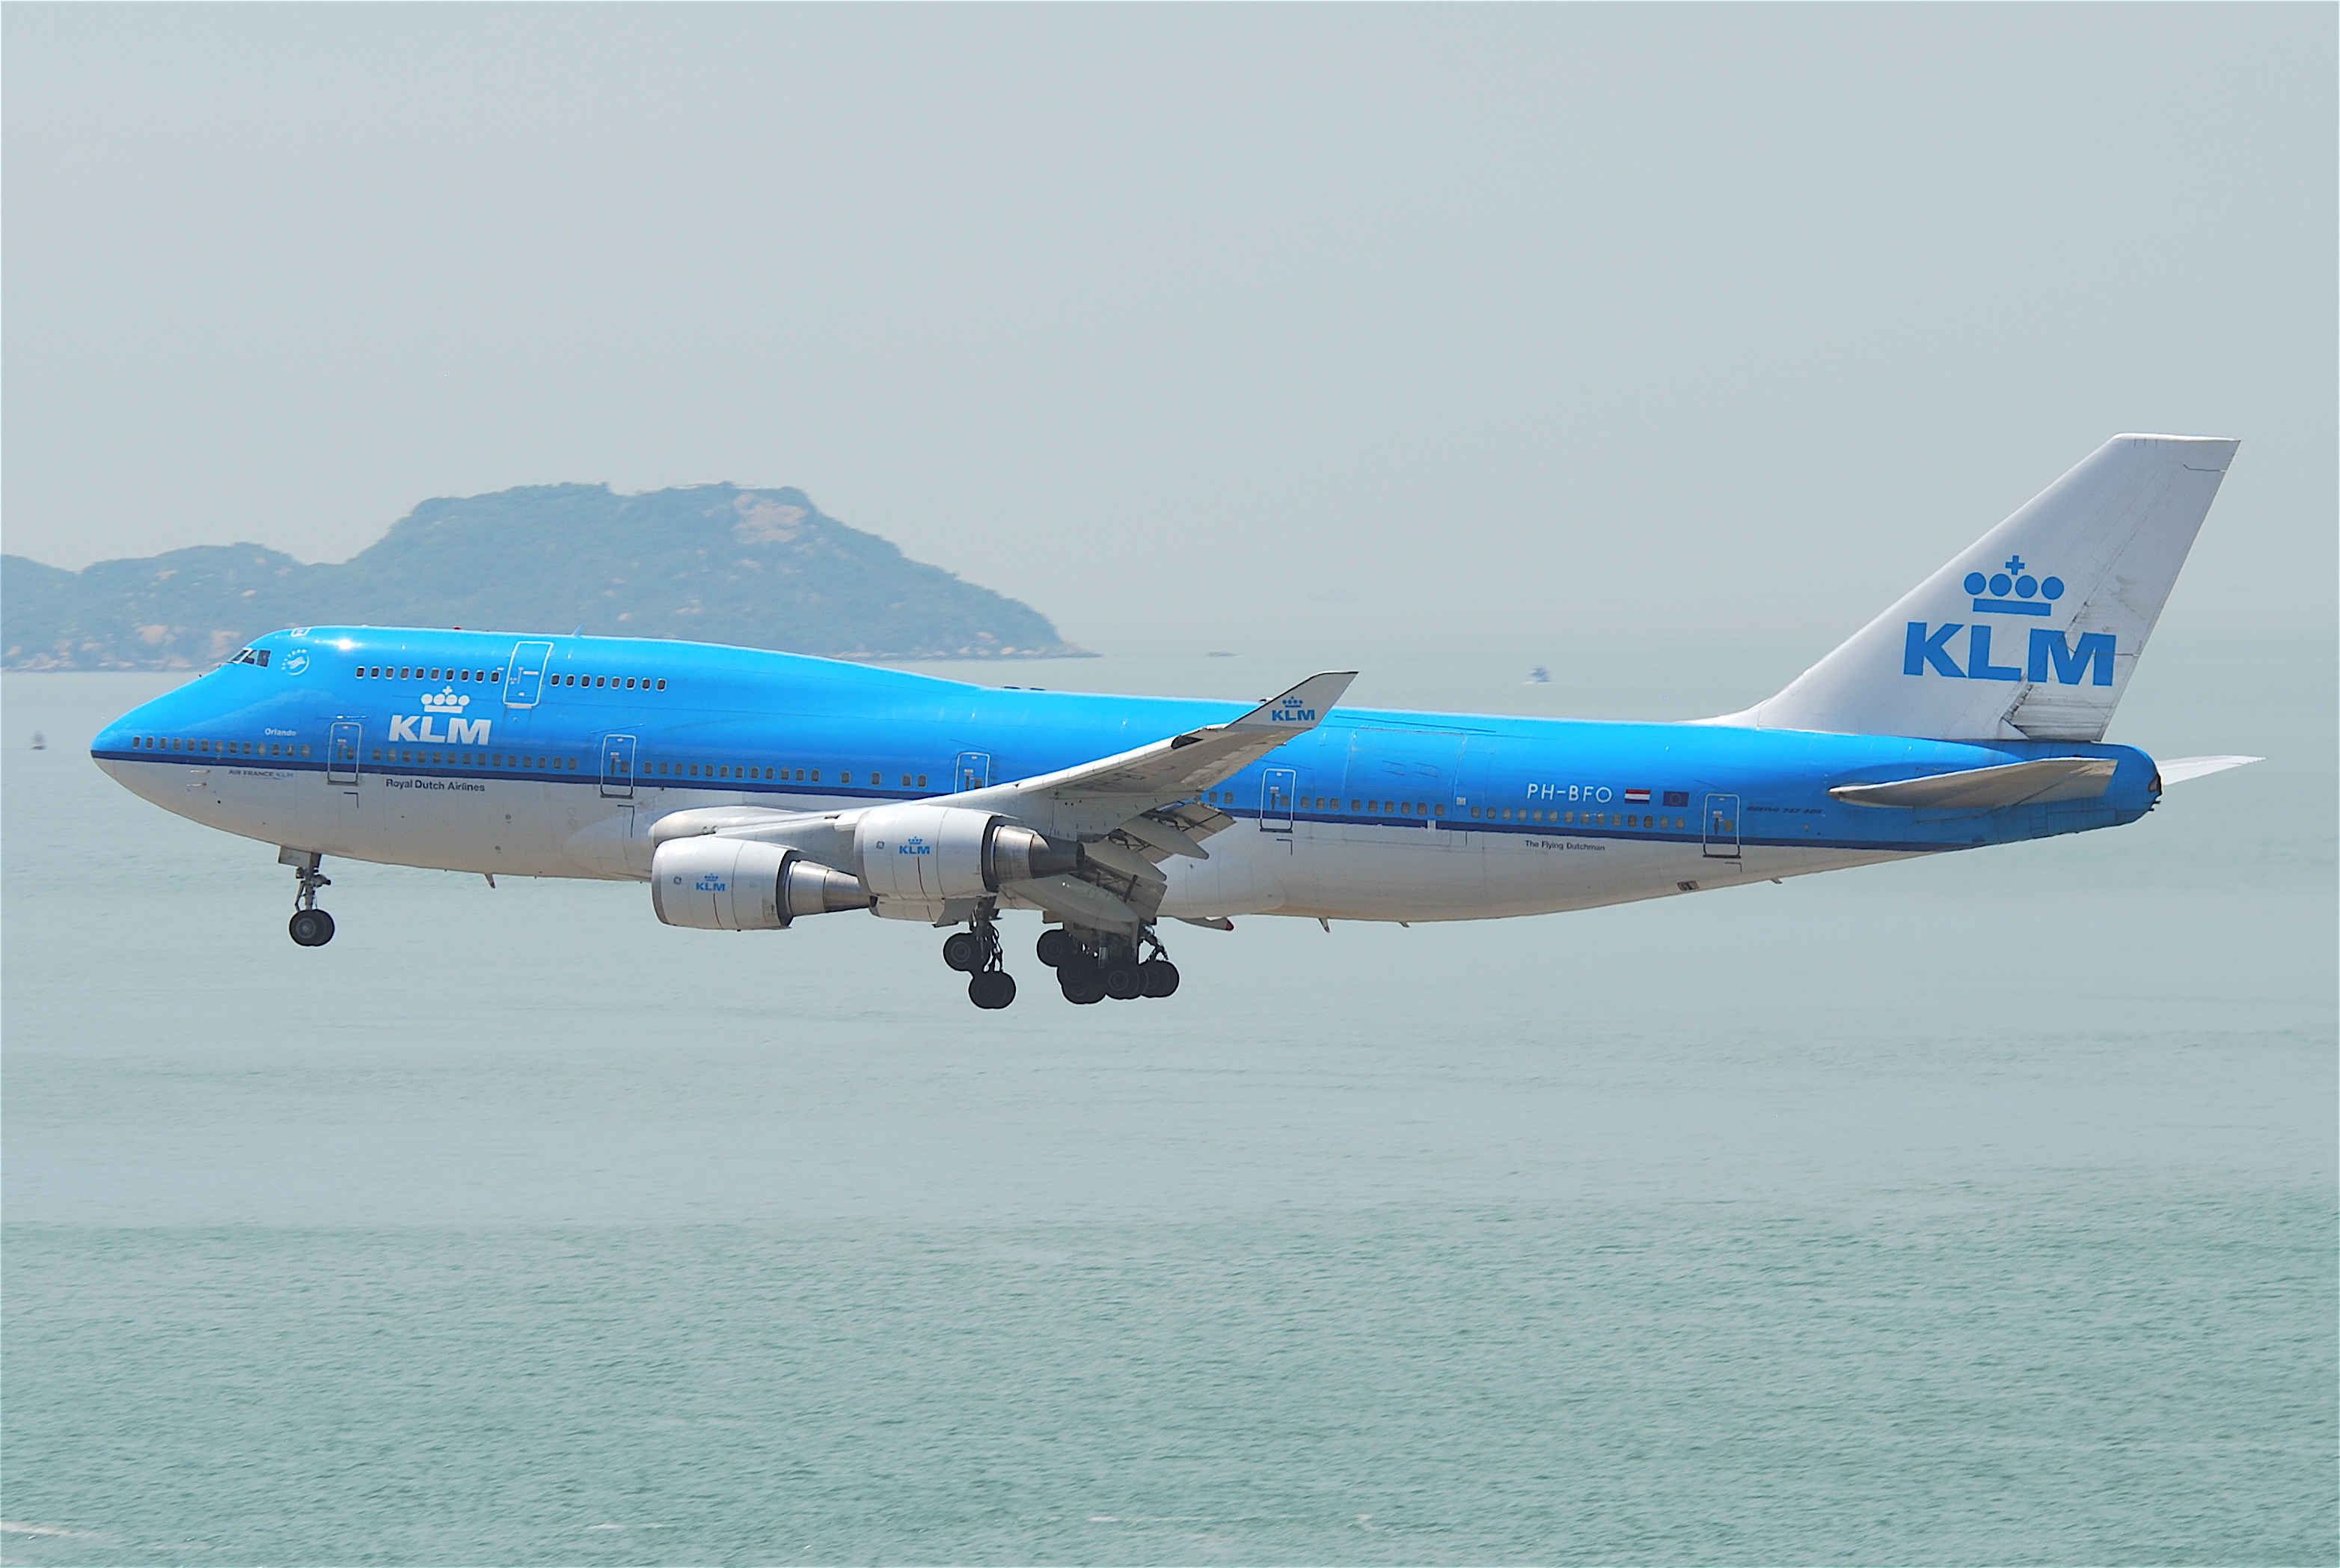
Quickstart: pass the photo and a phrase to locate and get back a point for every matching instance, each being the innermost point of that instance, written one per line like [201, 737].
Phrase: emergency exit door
[1722, 827]
[524, 677]
[618, 767]
[1278, 788]
[341, 743]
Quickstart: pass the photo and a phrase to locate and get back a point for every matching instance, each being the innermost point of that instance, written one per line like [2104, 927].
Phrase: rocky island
[705, 563]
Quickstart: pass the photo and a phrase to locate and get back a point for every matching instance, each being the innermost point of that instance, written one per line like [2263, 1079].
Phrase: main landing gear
[309, 926]
[975, 953]
[1103, 966]
[1090, 964]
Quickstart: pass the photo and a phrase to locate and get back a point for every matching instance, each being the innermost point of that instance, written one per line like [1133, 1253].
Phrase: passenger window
[922, 781]
[494, 676]
[662, 686]
[845, 779]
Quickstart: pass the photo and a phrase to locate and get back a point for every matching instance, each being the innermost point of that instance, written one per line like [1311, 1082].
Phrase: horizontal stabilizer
[2178, 770]
[1989, 788]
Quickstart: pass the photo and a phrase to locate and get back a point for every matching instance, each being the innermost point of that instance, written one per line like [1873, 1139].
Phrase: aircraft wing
[1129, 812]
[1989, 788]
[1095, 798]
[1132, 810]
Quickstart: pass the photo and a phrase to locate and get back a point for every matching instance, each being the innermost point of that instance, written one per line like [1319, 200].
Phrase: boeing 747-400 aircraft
[752, 790]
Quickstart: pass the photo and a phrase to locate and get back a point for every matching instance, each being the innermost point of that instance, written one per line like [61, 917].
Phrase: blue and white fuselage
[754, 786]
[1369, 815]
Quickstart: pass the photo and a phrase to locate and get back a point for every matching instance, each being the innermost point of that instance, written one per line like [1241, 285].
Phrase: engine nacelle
[927, 855]
[717, 884]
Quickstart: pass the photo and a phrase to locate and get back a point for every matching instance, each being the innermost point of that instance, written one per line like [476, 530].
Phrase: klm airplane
[752, 790]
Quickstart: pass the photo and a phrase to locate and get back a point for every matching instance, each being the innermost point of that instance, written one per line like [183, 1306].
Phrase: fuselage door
[341, 743]
[1278, 788]
[973, 771]
[618, 767]
[525, 676]
[1722, 827]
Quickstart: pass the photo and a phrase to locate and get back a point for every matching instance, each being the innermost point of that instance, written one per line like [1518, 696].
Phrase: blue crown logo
[2032, 595]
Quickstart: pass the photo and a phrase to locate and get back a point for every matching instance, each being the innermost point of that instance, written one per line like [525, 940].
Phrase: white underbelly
[1353, 871]
[1359, 872]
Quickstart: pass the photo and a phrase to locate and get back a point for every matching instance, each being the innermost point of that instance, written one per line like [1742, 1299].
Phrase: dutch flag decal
[1637, 797]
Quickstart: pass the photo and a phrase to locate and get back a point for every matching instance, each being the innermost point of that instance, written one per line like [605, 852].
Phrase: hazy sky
[1183, 322]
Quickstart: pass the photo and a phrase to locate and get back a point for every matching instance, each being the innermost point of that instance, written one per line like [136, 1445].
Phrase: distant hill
[710, 563]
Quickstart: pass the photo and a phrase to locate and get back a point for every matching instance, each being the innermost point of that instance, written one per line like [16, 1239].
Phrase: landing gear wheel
[1056, 949]
[1082, 983]
[1121, 979]
[1157, 976]
[310, 927]
[963, 951]
[992, 990]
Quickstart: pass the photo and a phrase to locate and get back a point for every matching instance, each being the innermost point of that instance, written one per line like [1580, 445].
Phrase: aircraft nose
[117, 738]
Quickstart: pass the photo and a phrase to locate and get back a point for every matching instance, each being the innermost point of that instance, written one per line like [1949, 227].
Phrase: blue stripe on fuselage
[730, 708]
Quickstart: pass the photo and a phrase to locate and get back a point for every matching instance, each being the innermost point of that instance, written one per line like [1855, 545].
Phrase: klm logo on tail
[2012, 590]
[2032, 596]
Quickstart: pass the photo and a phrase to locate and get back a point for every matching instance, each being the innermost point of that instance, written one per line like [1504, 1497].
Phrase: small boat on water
[1539, 676]
[40, 741]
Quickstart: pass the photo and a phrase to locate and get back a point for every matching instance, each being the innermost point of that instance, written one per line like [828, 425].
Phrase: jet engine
[924, 855]
[716, 884]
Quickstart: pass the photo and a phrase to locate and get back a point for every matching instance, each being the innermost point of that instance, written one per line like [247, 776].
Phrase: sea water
[1971, 1209]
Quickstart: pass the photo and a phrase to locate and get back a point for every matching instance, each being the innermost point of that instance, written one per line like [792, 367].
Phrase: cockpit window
[252, 656]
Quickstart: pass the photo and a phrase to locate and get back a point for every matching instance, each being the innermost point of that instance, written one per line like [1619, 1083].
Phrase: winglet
[1302, 708]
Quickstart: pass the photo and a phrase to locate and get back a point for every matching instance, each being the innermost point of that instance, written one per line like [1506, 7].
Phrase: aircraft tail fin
[2031, 634]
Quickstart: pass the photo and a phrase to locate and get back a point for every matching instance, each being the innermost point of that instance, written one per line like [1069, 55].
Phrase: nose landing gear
[309, 926]
[975, 952]
[1094, 965]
